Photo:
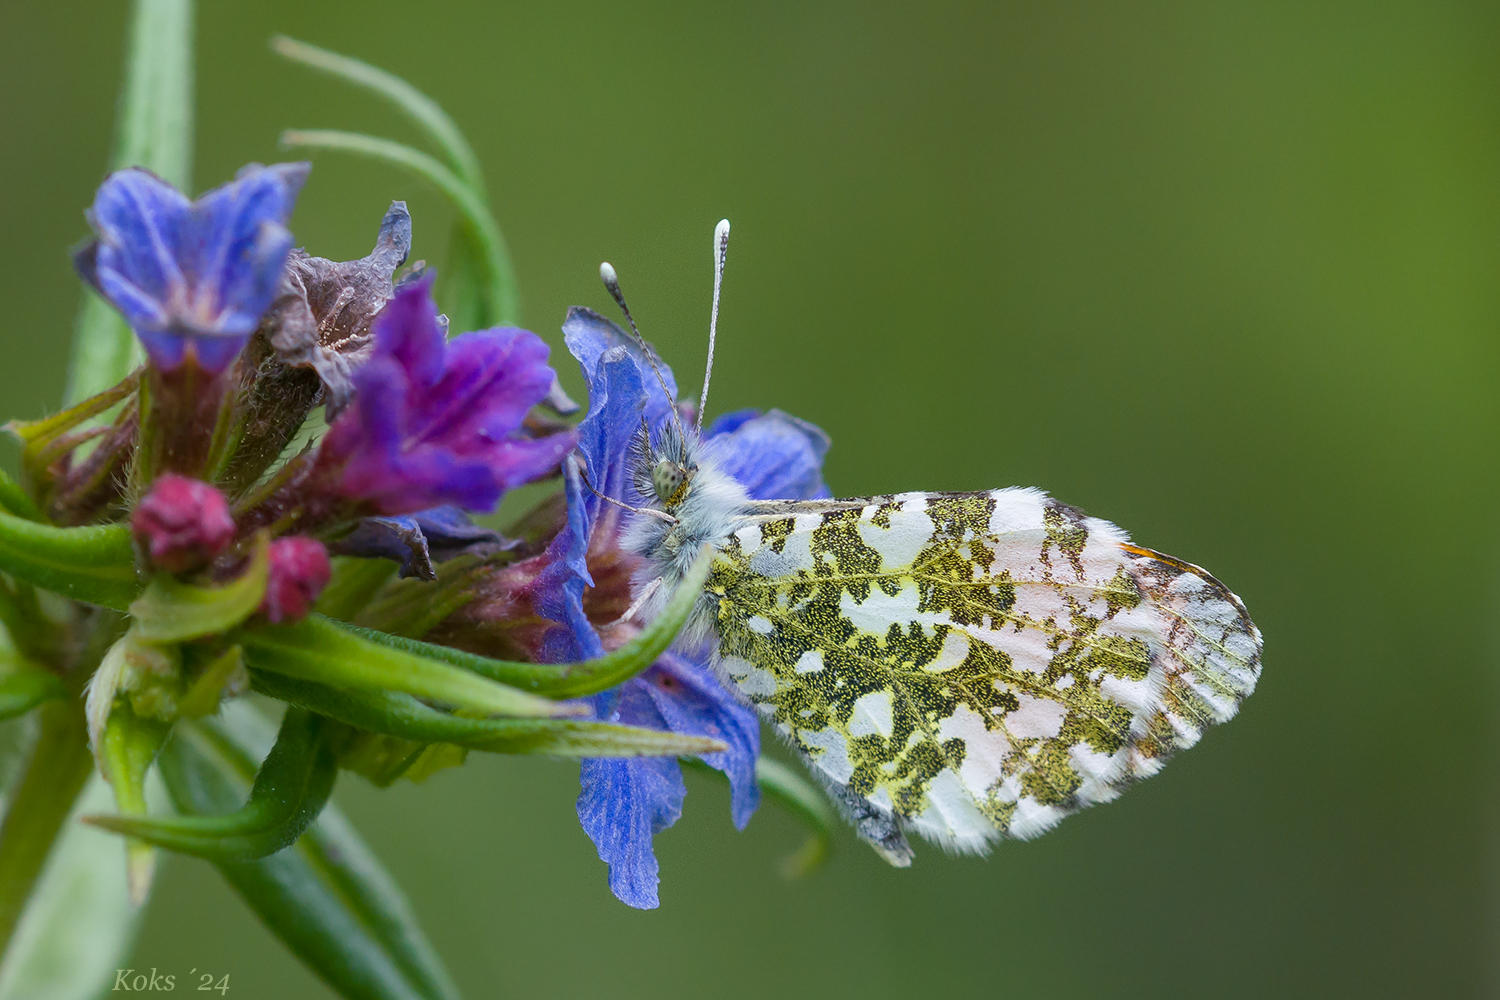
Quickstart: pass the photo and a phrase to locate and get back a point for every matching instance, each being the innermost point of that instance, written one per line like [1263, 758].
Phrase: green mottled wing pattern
[972, 666]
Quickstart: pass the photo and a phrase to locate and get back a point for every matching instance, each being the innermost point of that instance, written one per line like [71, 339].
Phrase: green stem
[60, 764]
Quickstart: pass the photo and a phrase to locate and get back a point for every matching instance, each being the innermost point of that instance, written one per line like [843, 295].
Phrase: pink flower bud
[299, 572]
[182, 523]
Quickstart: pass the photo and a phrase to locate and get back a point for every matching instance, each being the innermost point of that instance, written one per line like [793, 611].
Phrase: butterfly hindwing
[973, 665]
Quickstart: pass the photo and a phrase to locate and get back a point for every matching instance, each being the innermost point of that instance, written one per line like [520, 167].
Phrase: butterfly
[965, 666]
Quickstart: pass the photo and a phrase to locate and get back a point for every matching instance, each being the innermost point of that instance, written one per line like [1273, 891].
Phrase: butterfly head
[668, 469]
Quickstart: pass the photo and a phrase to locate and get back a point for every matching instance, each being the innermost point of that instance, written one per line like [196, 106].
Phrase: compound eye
[667, 478]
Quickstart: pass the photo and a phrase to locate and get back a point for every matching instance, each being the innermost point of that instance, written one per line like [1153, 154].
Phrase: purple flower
[625, 801]
[192, 278]
[438, 422]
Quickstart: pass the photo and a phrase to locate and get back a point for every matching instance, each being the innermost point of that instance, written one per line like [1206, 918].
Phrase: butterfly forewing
[974, 665]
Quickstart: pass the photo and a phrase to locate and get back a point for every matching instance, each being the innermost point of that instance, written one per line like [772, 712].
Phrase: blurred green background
[1223, 273]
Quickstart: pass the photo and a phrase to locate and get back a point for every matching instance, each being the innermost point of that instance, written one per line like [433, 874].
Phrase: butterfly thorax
[680, 477]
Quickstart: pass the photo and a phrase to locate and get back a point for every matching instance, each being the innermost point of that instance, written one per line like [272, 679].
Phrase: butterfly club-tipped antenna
[612, 282]
[721, 250]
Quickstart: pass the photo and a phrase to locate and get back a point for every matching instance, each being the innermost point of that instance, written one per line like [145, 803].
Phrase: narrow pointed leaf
[318, 649]
[291, 788]
[327, 897]
[39, 437]
[572, 680]
[172, 611]
[130, 746]
[421, 109]
[407, 718]
[94, 563]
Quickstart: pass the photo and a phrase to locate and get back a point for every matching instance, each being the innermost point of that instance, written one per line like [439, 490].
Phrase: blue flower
[192, 278]
[438, 422]
[625, 801]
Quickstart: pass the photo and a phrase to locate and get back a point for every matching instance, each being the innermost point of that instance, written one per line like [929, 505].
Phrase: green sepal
[13, 499]
[25, 686]
[291, 788]
[45, 441]
[572, 680]
[172, 611]
[320, 650]
[130, 745]
[797, 796]
[94, 563]
[403, 716]
[327, 897]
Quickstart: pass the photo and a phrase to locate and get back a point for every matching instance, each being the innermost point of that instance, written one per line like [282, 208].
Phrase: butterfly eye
[667, 478]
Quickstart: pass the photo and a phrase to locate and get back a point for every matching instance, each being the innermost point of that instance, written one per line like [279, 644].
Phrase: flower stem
[60, 764]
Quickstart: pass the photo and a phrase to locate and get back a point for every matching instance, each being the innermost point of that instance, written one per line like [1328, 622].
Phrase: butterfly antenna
[612, 282]
[721, 249]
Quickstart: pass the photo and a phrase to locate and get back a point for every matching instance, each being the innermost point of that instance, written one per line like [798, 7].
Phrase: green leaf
[46, 440]
[407, 718]
[94, 563]
[155, 131]
[291, 788]
[327, 898]
[421, 109]
[172, 611]
[25, 688]
[572, 680]
[500, 283]
[317, 649]
[54, 774]
[129, 747]
[78, 924]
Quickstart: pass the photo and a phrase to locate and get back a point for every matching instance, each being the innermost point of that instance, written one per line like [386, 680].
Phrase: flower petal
[774, 455]
[436, 422]
[191, 278]
[624, 802]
